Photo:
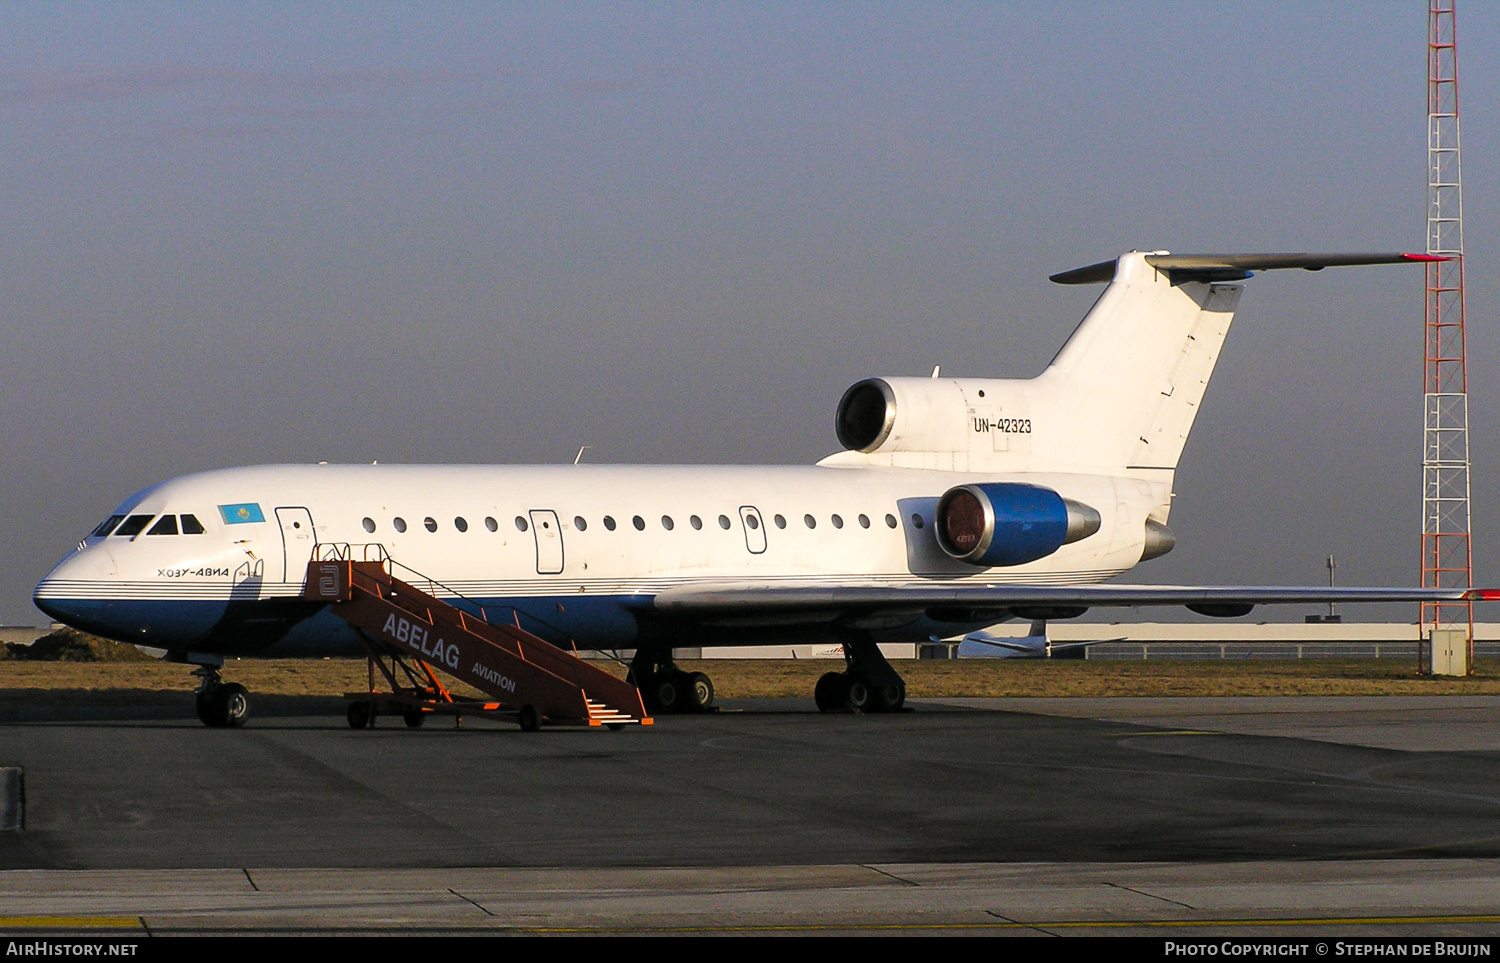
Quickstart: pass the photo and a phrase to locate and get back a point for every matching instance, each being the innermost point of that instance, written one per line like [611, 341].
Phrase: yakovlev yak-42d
[957, 503]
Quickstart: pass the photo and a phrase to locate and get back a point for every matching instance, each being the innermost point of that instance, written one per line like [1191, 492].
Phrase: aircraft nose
[63, 594]
[92, 564]
[86, 592]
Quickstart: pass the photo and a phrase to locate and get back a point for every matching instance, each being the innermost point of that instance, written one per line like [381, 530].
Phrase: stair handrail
[344, 551]
[539, 656]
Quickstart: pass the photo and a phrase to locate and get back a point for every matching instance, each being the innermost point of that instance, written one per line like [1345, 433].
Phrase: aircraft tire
[360, 715]
[858, 695]
[529, 718]
[888, 698]
[205, 706]
[826, 692]
[414, 718]
[699, 693]
[667, 692]
[230, 705]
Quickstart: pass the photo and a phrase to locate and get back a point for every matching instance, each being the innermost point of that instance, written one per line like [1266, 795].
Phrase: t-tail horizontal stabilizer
[1233, 267]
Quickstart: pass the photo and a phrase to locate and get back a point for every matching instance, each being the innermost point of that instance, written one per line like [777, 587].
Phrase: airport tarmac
[1016, 816]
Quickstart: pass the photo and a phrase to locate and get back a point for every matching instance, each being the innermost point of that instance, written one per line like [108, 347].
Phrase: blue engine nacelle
[1006, 523]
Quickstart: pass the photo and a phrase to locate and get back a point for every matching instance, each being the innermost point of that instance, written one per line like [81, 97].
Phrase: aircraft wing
[1007, 644]
[968, 601]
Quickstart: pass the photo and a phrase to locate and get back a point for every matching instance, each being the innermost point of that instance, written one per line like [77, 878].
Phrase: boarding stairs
[410, 635]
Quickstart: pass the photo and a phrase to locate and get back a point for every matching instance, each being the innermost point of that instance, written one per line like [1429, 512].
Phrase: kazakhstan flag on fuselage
[242, 513]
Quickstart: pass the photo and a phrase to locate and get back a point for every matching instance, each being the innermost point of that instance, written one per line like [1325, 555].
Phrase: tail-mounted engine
[903, 414]
[1005, 523]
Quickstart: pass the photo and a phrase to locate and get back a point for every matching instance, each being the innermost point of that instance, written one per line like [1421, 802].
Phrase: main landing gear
[667, 689]
[220, 704]
[868, 684]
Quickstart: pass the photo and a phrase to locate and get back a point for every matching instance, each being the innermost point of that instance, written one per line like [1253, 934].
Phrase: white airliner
[956, 503]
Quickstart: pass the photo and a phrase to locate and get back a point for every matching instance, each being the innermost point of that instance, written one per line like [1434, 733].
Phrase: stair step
[603, 713]
[497, 658]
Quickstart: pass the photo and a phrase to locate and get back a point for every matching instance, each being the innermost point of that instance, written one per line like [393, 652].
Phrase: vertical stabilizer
[1125, 388]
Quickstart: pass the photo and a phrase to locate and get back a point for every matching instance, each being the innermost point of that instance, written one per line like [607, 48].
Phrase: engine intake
[1007, 523]
[867, 413]
[890, 415]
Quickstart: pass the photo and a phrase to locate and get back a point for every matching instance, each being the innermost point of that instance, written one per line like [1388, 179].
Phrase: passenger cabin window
[191, 525]
[864, 521]
[429, 523]
[780, 521]
[461, 524]
[696, 522]
[166, 525]
[520, 524]
[491, 524]
[724, 522]
[838, 521]
[890, 521]
[609, 522]
[133, 526]
[368, 524]
[398, 523]
[580, 523]
[107, 526]
[639, 523]
[667, 523]
[809, 521]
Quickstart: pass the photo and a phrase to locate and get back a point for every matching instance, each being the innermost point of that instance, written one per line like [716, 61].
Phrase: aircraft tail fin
[1129, 381]
[1135, 370]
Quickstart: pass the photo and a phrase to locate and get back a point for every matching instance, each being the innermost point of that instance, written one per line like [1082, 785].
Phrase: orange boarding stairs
[531, 681]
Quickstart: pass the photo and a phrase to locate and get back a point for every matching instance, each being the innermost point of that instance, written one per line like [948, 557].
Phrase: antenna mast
[1447, 558]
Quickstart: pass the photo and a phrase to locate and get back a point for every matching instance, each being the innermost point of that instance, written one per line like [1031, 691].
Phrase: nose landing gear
[220, 704]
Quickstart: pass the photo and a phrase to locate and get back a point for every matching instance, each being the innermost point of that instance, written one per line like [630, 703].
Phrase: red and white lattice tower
[1447, 558]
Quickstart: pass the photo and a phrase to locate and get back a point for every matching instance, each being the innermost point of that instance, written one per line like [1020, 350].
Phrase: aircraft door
[297, 540]
[755, 529]
[549, 544]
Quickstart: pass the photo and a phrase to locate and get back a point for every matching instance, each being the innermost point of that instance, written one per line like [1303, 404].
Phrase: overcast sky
[247, 233]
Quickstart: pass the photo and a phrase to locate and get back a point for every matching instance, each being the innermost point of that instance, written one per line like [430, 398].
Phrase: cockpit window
[133, 526]
[191, 525]
[166, 525]
[106, 526]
